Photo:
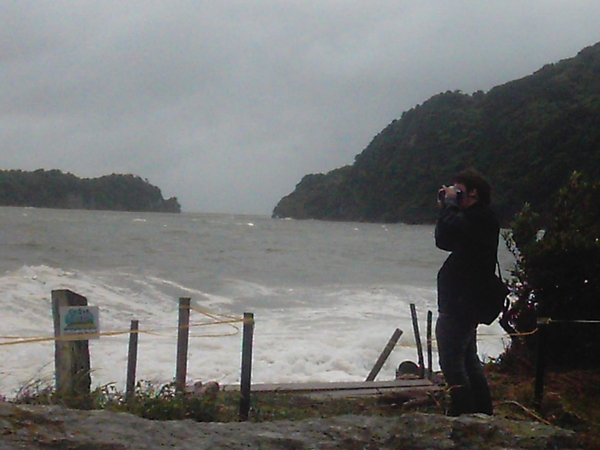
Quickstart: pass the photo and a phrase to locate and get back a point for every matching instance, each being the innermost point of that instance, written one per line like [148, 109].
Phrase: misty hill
[526, 136]
[54, 189]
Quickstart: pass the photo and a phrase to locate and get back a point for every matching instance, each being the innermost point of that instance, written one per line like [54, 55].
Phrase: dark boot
[480, 391]
[461, 401]
[483, 401]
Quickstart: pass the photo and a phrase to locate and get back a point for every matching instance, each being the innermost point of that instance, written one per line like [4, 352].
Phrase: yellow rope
[28, 341]
[229, 320]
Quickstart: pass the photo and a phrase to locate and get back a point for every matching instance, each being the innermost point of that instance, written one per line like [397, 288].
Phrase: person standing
[468, 229]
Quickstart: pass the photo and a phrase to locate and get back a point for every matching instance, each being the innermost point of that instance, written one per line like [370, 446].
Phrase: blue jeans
[463, 371]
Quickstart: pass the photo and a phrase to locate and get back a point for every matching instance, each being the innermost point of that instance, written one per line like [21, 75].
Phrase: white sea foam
[337, 339]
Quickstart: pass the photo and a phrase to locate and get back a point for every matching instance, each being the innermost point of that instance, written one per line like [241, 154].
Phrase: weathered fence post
[132, 361]
[182, 343]
[71, 357]
[413, 313]
[246, 374]
[384, 355]
[540, 361]
[429, 346]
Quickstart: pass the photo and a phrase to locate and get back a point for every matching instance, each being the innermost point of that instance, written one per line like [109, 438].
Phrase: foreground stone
[59, 428]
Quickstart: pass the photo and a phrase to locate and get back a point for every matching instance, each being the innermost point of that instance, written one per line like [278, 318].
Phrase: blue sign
[76, 321]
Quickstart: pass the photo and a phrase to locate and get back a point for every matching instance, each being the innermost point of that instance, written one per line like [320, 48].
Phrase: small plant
[35, 392]
[557, 276]
[150, 401]
[166, 403]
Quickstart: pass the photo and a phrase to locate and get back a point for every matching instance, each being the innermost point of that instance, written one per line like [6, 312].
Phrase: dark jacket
[472, 237]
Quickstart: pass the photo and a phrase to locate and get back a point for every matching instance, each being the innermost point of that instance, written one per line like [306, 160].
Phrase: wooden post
[182, 343]
[384, 355]
[429, 346]
[246, 375]
[413, 313]
[132, 361]
[71, 357]
[540, 361]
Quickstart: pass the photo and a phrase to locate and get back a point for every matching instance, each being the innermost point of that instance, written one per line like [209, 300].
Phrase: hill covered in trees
[527, 136]
[55, 189]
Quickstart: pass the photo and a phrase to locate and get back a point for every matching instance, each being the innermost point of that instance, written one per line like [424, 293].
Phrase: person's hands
[450, 191]
[446, 192]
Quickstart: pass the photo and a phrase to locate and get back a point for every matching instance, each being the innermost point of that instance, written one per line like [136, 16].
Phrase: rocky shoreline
[54, 427]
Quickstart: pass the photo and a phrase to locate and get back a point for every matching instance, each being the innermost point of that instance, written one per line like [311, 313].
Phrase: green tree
[54, 189]
[527, 136]
[557, 275]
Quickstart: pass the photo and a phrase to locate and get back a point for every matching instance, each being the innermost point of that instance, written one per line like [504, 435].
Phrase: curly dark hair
[472, 179]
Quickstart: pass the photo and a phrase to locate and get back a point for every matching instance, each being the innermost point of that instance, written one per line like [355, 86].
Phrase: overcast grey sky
[228, 104]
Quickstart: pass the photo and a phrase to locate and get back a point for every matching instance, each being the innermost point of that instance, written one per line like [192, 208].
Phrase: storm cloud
[227, 104]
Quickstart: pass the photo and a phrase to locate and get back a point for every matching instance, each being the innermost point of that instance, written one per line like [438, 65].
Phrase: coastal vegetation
[55, 189]
[570, 403]
[527, 136]
[557, 276]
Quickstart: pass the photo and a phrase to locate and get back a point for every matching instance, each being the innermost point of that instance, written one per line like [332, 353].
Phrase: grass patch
[570, 401]
[151, 401]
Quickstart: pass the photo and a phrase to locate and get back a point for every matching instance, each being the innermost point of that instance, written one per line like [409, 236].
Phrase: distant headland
[55, 189]
[527, 136]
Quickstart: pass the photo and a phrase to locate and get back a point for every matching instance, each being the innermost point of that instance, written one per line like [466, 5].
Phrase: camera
[441, 196]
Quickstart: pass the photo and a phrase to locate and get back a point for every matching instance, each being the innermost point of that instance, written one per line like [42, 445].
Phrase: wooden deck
[342, 389]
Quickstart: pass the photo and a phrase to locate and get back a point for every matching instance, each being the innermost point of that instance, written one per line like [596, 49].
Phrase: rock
[210, 389]
[39, 427]
[411, 398]
[407, 369]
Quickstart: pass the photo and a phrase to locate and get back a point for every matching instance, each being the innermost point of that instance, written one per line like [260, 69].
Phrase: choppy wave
[326, 296]
[335, 339]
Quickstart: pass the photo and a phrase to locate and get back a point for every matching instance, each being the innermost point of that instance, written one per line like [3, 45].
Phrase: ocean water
[326, 296]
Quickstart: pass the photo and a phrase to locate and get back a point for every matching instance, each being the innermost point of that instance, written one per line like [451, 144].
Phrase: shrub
[557, 275]
[151, 401]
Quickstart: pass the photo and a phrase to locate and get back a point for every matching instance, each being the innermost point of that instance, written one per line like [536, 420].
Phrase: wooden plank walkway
[341, 389]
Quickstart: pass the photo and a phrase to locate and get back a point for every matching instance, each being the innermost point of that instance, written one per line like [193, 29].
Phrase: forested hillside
[54, 189]
[527, 136]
